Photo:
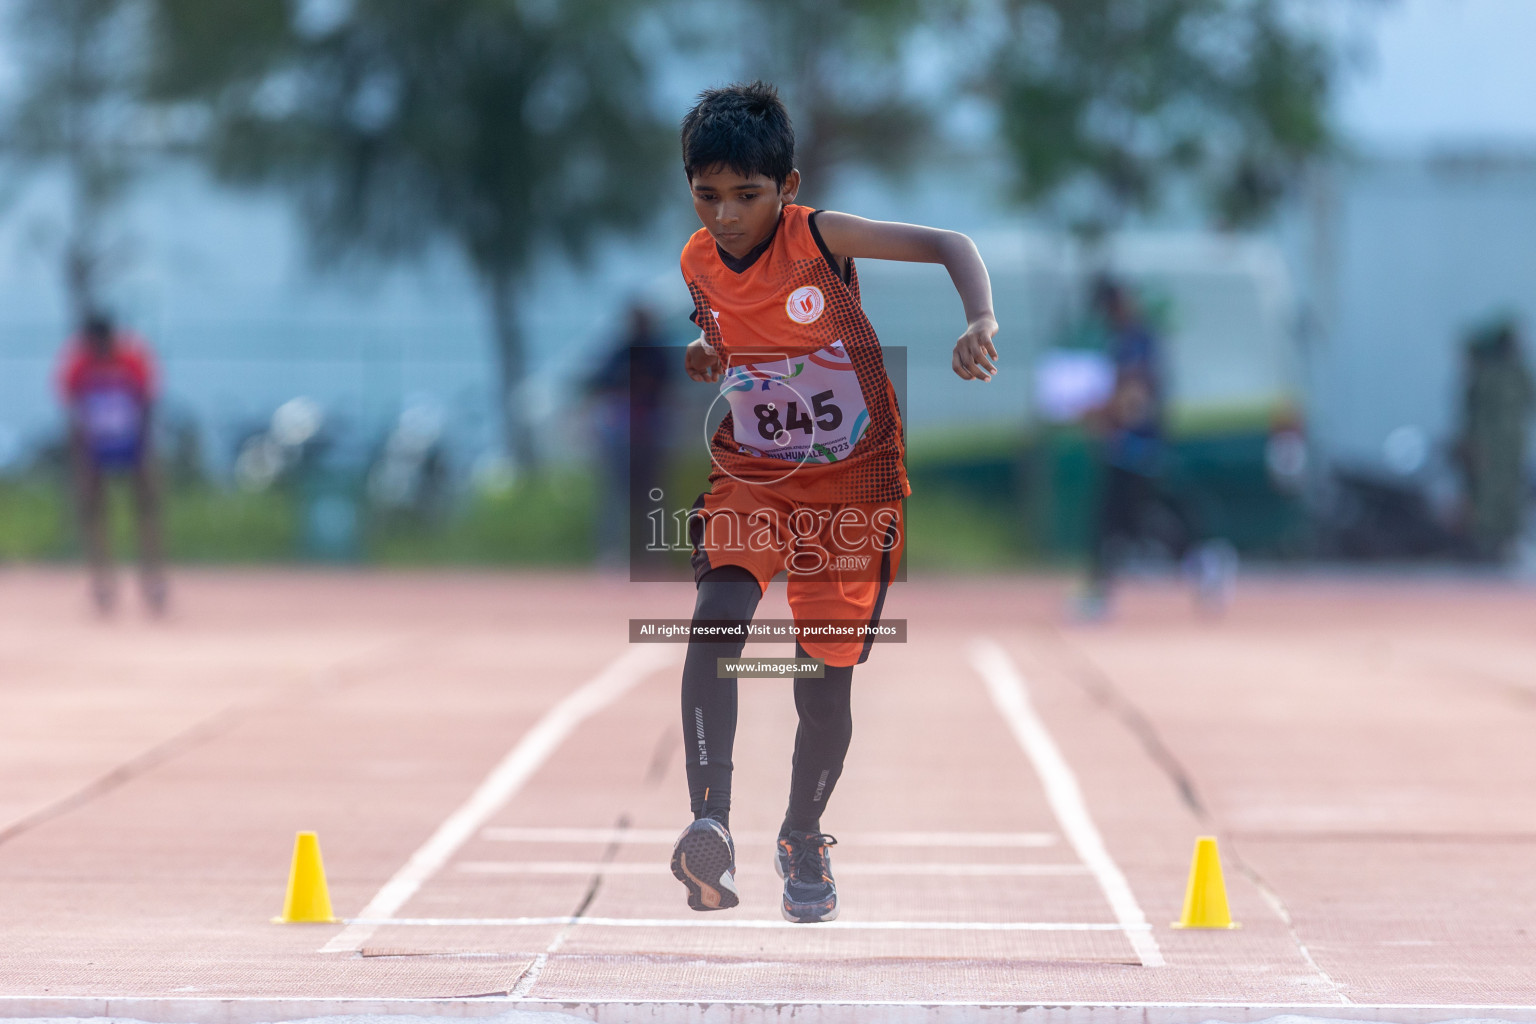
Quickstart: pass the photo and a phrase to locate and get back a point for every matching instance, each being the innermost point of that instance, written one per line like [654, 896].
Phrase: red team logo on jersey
[804, 305]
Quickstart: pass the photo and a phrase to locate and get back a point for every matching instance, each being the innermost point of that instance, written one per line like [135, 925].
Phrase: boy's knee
[727, 594]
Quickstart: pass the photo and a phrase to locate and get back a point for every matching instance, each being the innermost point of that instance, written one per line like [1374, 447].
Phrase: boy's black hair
[98, 324]
[744, 127]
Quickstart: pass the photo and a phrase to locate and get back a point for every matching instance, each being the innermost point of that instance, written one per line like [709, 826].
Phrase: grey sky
[1444, 71]
[1437, 71]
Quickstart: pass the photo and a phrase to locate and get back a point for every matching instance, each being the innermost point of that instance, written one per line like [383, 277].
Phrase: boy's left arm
[847, 235]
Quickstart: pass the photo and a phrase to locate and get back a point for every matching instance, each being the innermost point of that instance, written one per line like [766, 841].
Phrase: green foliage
[78, 109]
[838, 64]
[500, 127]
[202, 524]
[952, 531]
[966, 512]
[546, 520]
[207, 524]
[505, 130]
[35, 521]
[1119, 98]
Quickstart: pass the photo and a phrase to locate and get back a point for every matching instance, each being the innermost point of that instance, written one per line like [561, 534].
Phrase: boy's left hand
[974, 352]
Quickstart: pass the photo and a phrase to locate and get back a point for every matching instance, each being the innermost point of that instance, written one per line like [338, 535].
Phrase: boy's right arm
[702, 362]
[846, 235]
[700, 359]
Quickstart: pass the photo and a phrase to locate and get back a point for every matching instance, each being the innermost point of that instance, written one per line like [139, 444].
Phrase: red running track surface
[1361, 747]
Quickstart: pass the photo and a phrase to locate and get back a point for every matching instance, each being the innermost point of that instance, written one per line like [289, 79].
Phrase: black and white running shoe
[704, 859]
[805, 864]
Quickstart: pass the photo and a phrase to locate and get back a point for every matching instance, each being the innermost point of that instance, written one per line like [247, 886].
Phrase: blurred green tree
[78, 109]
[1105, 103]
[512, 130]
[839, 66]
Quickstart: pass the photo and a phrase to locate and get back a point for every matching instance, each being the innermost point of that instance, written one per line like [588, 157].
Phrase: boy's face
[739, 211]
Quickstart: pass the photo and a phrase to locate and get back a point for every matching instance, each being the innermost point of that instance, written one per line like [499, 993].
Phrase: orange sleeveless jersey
[813, 414]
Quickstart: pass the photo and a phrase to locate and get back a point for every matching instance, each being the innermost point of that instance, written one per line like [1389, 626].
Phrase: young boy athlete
[808, 476]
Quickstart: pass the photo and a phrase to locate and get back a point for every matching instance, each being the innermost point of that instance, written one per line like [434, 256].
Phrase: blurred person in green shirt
[1496, 411]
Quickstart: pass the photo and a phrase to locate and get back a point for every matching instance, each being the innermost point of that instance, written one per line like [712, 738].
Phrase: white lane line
[119, 1007]
[691, 922]
[499, 786]
[666, 837]
[1065, 796]
[592, 867]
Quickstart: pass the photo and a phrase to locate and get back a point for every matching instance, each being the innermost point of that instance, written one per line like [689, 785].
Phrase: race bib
[801, 408]
[111, 417]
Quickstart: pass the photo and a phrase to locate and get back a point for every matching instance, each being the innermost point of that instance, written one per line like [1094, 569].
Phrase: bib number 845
[827, 416]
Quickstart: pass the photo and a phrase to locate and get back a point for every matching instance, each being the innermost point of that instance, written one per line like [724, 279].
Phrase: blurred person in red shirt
[107, 380]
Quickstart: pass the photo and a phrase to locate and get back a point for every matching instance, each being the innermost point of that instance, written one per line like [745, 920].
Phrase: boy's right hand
[701, 362]
[975, 352]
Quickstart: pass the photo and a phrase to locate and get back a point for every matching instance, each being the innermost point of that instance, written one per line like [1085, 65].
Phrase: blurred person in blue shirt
[1133, 505]
[630, 391]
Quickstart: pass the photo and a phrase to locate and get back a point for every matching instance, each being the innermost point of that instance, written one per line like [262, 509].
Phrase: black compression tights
[730, 594]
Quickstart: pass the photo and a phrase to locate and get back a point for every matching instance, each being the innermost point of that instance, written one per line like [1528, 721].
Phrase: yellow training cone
[308, 897]
[1205, 899]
